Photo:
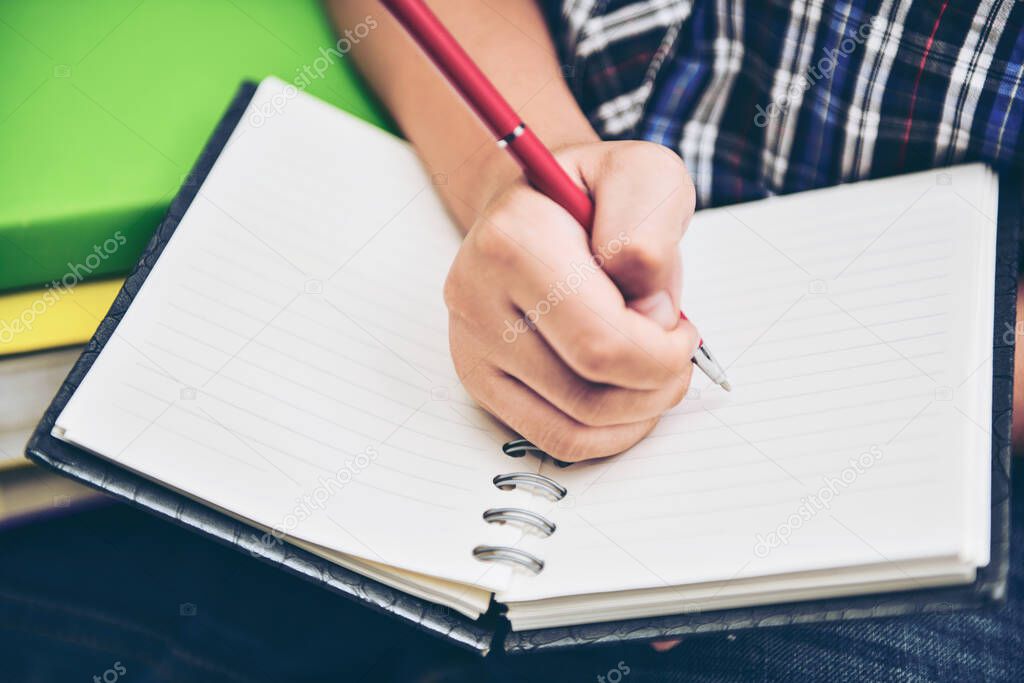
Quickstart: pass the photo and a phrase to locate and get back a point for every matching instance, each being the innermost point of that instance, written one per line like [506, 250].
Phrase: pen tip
[726, 385]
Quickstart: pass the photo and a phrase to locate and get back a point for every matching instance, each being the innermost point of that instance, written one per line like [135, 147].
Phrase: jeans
[116, 595]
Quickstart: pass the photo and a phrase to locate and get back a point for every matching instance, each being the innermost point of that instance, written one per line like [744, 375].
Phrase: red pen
[537, 162]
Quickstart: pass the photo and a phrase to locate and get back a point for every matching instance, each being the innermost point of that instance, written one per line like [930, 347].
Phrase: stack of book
[41, 334]
[79, 206]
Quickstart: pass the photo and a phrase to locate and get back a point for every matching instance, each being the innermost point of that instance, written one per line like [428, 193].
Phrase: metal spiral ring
[501, 553]
[513, 480]
[517, 448]
[502, 515]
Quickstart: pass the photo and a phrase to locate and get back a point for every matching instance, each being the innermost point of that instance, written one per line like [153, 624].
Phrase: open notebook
[285, 363]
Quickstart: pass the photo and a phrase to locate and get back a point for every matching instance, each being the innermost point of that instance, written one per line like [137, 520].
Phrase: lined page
[856, 326]
[287, 358]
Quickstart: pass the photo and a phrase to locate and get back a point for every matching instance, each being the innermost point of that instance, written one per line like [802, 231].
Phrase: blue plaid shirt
[763, 98]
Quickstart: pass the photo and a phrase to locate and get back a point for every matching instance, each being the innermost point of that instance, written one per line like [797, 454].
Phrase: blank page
[856, 327]
[287, 357]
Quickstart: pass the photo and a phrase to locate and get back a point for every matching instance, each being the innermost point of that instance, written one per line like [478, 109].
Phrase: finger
[530, 360]
[584, 318]
[572, 302]
[665, 645]
[545, 426]
[643, 201]
[663, 306]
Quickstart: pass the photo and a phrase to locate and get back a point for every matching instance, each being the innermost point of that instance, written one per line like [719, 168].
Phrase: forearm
[512, 47]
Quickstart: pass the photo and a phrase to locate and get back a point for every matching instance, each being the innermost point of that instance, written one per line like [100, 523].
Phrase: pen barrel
[540, 167]
[452, 61]
[550, 179]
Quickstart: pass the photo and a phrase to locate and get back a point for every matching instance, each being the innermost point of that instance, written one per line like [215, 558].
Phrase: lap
[82, 595]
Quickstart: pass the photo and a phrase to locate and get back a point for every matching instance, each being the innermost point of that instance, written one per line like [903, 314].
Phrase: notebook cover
[988, 587]
[140, 492]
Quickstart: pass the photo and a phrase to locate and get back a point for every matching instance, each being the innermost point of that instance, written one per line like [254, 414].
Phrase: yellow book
[54, 316]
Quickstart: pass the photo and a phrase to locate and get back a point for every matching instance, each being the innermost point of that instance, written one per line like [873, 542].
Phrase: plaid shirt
[770, 97]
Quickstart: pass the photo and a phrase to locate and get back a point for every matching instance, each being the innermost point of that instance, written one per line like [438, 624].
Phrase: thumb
[663, 305]
[643, 201]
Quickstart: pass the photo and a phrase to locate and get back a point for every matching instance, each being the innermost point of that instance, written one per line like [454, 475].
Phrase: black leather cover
[492, 628]
[134, 489]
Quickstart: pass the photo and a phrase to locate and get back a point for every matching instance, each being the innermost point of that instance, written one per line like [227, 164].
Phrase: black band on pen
[516, 132]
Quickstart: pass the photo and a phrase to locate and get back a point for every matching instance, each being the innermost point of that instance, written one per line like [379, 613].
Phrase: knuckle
[647, 254]
[579, 442]
[494, 245]
[455, 293]
[568, 443]
[596, 355]
[474, 378]
[668, 162]
[472, 367]
[654, 403]
[655, 157]
[665, 163]
[590, 405]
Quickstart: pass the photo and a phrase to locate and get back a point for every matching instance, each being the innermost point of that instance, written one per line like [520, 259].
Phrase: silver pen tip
[726, 385]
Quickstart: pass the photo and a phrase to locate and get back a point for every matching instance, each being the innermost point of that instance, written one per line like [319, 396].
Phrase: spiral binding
[517, 448]
[502, 515]
[507, 482]
[512, 480]
[502, 553]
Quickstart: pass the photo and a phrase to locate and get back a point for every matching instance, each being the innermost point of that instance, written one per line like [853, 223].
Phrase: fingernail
[658, 307]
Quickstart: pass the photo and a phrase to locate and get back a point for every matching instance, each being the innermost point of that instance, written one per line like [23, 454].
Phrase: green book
[106, 105]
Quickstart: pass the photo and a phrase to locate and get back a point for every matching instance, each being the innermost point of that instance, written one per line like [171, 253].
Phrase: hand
[540, 329]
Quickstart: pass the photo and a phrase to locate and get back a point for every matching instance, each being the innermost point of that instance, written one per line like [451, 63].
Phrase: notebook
[276, 373]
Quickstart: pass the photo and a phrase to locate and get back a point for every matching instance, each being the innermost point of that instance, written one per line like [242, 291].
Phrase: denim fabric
[117, 595]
